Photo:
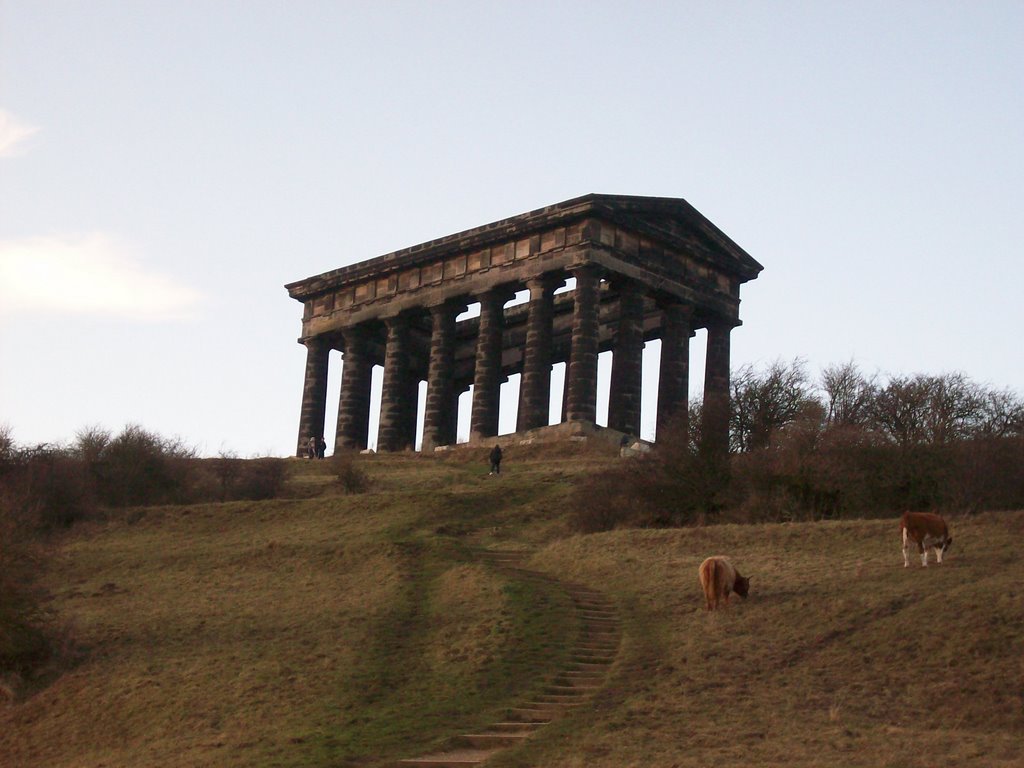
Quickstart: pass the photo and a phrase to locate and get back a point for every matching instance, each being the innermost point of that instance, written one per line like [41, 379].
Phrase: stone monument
[644, 267]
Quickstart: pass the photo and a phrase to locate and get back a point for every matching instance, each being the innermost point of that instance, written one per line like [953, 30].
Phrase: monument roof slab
[673, 222]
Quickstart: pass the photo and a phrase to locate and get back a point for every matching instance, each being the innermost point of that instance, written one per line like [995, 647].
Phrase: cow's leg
[924, 556]
[906, 549]
[938, 554]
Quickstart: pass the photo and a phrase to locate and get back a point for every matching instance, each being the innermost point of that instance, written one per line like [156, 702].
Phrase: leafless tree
[848, 395]
[1001, 414]
[954, 407]
[925, 409]
[899, 409]
[764, 403]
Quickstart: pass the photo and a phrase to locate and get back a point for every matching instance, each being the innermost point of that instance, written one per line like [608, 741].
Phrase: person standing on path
[495, 458]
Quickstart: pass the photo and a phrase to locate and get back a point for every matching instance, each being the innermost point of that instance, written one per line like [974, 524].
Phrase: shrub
[351, 477]
[138, 467]
[23, 642]
[261, 478]
[675, 484]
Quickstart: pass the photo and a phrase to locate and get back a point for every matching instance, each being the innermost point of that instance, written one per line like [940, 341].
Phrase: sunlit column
[674, 374]
[487, 372]
[352, 430]
[437, 415]
[715, 418]
[581, 371]
[627, 360]
[535, 387]
[314, 393]
[393, 430]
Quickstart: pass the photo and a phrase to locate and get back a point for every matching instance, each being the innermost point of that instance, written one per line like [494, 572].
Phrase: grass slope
[839, 657]
[334, 630]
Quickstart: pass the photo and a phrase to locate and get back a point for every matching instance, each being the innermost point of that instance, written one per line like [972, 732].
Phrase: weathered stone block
[662, 247]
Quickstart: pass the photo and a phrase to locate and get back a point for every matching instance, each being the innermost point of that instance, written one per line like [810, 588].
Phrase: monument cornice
[650, 217]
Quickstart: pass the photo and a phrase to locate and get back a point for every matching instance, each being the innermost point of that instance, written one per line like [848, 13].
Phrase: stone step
[586, 687]
[585, 650]
[553, 706]
[575, 677]
[591, 658]
[453, 759]
[521, 725]
[559, 698]
[569, 690]
[528, 714]
[496, 739]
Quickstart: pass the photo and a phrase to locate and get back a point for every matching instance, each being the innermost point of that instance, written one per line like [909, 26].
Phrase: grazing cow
[926, 530]
[719, 577]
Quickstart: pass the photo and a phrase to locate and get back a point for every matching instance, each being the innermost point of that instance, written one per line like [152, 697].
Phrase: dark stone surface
[627, 360]
[352, 431]
[671, 271]
[314, 394]
[581, 374]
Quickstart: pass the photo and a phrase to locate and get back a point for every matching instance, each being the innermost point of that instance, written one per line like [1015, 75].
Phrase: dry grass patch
[840, 656]
[469, 615]
[210, 633]
[328, 630]
[354, 629]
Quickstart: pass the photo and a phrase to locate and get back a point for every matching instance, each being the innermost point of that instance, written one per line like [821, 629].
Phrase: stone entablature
[653, 268]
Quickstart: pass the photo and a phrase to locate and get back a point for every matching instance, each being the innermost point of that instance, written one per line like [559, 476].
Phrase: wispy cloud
[13, 134]
[92, 274]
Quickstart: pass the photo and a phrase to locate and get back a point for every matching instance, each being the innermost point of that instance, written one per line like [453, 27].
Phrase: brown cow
[926, 530]
[719, 577]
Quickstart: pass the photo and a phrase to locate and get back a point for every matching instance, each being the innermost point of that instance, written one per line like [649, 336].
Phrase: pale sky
[165, 168]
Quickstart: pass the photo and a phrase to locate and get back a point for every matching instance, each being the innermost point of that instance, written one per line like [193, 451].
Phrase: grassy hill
[332, 630]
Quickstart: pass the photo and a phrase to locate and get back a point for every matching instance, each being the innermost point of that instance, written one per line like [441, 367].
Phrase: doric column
[581, 372]
[627, 360]
[674, 375]
[535, 386]
[354, 405]
[487, 373]
[437, 413]
[393, 430]
[314, 393]
[715, 418]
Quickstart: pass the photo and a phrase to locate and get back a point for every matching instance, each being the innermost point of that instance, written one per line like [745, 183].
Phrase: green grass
[334, 630]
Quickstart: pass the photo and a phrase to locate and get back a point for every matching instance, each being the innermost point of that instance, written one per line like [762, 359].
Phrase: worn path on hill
[596, 647]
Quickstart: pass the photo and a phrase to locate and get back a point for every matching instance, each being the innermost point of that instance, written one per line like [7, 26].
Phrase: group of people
[315, 447]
